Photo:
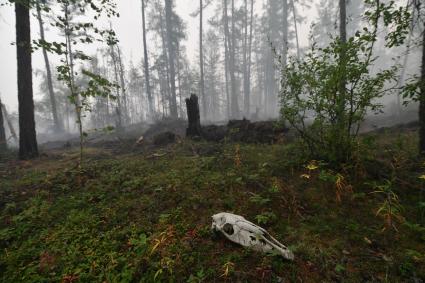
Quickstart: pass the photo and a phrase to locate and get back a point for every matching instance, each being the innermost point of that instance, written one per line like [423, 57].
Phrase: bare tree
[171, 57]
[57, 122]
[247, 84]
[146, 62]
[234, 98]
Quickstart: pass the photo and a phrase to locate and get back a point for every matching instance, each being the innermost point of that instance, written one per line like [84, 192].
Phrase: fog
[267, 31]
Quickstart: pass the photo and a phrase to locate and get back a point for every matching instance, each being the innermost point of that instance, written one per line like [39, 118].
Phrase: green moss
[145, 218]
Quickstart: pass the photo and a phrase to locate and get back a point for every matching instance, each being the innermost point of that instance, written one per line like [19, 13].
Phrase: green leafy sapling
[78, 31]
[312, 102]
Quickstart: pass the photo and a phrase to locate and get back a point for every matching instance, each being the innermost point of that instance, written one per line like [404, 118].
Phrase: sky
[127, 27]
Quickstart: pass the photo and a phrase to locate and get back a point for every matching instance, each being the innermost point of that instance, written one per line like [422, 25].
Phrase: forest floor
[145, 216]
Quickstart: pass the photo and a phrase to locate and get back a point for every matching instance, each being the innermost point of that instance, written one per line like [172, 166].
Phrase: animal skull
[239, 230]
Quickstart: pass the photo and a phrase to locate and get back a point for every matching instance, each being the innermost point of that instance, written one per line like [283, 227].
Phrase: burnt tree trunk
[422, 103]
[193, 116]
[201, 61]
[27, 137]
[3, 142]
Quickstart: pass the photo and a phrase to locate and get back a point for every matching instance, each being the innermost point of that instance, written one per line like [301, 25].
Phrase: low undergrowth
[146, 217]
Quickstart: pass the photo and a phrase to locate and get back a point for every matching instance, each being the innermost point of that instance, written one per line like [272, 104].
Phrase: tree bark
[9, 124]
[234, 99]
[422, 102]
[118, 111]
[57, 122]
[3, 141]
[171, 60]
[226, 56]
[343, 21]
[201, 61]
[146, 62]
[285, 33]
[294, 12]
[27, 135]
[250, 53]
[193, 116]
[245, 61]
[121, 70]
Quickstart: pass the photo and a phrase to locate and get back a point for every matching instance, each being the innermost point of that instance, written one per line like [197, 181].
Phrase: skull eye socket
[228, 228]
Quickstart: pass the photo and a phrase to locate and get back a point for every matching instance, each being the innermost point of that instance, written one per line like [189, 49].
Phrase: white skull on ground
[239, 230]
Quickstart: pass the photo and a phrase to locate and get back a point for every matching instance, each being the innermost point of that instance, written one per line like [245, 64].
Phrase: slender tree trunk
[422, 102]
[201, 61]
[27, 136]
[179, 85]
[227, 57]
[250, 49]
[9, 124]
[146, 63]
[234, 98]
[171, 60]
[121, 70]
[3, 141]
[57, 122]
[118, 111]
[167, 89]
[340, 143]
[294, 11]
[245, 61]
[285, 33]
[343, 38]
[343, 20]
[69, 61]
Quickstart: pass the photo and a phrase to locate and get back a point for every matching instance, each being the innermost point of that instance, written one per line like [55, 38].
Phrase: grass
[146, 217]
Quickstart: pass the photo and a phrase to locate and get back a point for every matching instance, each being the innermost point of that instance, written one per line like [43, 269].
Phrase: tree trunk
[234, 98]
[9, 124]
[118, 111]
[146, 63]
[201, 62]
[294, 12]
[121, 70]
[167, 90]
[179, 84]
[3, 141]
[250, 52]
[245, 61]
[343, 21]
[171, 60]
[27, 136]
[193, 116]
[422, 102]
[226, 56]
[57, 122]
[285, 33]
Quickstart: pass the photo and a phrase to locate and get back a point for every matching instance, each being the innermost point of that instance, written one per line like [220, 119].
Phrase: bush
[326, 95]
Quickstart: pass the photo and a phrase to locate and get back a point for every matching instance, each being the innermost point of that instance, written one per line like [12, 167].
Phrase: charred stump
[194, 128]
